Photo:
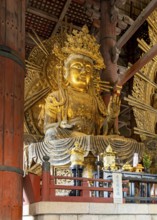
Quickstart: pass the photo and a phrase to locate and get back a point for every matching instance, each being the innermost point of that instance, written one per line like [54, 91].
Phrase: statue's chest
[81, 105]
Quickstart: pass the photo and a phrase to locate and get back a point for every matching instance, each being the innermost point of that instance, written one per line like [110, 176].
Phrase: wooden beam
[27, 4]
[138, 22]
[81, 2]
[108, 23]
[47, 16]
[123, 78]
[63, 13]
[42, 14]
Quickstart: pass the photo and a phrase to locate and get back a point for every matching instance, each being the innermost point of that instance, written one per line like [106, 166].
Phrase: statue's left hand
[114, 106]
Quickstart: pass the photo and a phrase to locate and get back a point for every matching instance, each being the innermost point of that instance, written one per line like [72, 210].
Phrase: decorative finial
[109, 149]
[46, 158]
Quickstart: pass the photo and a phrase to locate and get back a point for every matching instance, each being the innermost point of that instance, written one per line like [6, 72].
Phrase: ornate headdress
[81, 42]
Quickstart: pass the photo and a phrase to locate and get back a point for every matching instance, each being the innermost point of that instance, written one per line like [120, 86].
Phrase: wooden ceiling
[46, 16]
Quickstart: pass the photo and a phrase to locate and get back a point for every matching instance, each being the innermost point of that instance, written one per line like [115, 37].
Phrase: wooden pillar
[108, 40]
[12, 71]
[46, 179]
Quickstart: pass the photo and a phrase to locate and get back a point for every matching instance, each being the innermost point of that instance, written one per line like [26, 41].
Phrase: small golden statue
[77, 155]
[127, 167]
[139, 168]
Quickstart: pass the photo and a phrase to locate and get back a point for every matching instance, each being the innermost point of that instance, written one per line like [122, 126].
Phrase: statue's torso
[81, 105]
[82, 111]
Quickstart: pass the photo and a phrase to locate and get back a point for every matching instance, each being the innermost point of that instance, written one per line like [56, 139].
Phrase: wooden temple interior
[47, 17]
[126, 31]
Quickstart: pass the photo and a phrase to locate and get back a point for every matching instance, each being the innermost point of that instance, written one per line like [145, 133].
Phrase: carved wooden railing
[45, 189]
[83, 189]
[88, 191]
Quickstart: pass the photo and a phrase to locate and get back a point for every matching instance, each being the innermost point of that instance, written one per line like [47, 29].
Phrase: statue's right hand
[114, 106]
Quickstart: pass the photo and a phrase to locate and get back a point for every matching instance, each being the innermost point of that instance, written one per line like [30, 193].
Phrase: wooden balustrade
[90, 190]
[140, 189]
[87, 189]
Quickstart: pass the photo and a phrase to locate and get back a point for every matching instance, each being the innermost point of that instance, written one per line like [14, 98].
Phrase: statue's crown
[81, 42]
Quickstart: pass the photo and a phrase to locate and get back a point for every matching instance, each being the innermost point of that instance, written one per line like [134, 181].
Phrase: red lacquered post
[12, 72]
[46, 179]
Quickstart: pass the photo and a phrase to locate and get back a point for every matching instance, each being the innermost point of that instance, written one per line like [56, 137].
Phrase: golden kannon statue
[68, 88]
[77, 106]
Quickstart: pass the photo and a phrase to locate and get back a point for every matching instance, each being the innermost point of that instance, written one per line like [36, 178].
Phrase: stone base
[86, 211]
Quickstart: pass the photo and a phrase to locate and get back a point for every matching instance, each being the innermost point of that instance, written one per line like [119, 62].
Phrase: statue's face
[80, 71]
